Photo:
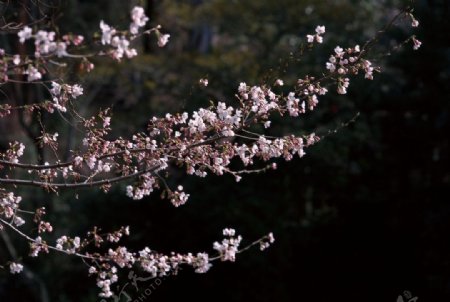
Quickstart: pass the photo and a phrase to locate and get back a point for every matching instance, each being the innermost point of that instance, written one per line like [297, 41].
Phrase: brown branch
[367, 46]
[7, 181]
[33, 166]
[4, 222]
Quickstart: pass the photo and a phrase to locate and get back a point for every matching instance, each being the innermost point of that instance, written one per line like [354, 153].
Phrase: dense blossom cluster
[121, 42]
[224, 138]
[229, 246]
[44, 42]
[160, 265]
[9, 204]
[48, 45]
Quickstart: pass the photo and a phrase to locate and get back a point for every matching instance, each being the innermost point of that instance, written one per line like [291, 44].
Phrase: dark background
[363, 217]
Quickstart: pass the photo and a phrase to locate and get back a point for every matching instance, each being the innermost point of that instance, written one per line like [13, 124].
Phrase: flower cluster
[14, 152]
[44, 42]
[68, 245]
[229, 246]
[320, 30]
[33, 74]
[61, 94]
[203, 82]
[121, 42]
[139, 19]
[15, 268]
[160, 265]
[179, 197]
[104, 280]
[266, 242]
[37, 246]
[9, 203]
[348, 61]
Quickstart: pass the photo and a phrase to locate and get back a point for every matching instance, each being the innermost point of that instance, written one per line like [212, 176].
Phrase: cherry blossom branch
[150, 261]
[205, 141]
[103, 156]
[28, 238]
[381, 32]
[75, 185]
[34, 166]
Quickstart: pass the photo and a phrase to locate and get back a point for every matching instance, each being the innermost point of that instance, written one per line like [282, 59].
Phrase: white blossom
[61, 49]
[202, 264]
[417, 43]
[228, 232]
[279, 82]
[33, 73]
[163, 40]
[75, 90]
[16, 60]
[15, 268]
[25, 34]
[320, 30]
[107, 32]
[139, 19]
[18, 221]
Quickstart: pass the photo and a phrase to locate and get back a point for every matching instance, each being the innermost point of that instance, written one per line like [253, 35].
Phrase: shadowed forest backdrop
[363, 217]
